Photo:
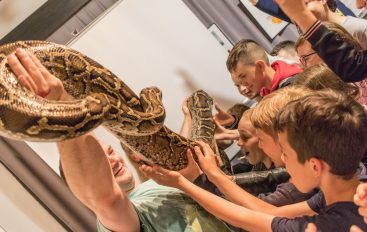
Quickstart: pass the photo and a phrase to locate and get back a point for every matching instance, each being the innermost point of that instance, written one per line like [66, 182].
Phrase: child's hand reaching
[360, 199]
[163, 176]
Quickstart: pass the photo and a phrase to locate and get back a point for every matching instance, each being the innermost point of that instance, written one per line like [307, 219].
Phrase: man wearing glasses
[307, 56]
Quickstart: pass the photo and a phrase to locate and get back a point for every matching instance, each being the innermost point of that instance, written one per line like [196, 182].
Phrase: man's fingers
[33, 71]
[45, 73]
[23, 80]
[18, 69]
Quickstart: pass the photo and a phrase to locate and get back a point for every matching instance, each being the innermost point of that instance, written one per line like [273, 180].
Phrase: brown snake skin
[100, 98]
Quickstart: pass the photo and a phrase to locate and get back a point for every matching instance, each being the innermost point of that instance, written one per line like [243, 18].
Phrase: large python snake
[100, 98]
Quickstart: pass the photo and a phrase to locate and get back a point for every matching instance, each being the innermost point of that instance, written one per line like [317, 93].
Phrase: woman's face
[248, 142]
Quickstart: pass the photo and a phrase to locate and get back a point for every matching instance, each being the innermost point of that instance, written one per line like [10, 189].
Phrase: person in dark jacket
[348, 62]
[270, 7]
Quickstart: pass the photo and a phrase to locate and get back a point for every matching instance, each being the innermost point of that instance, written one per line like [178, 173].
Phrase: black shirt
[339, 216]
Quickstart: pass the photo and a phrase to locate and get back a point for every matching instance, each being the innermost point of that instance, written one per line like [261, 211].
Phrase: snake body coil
[100, 98]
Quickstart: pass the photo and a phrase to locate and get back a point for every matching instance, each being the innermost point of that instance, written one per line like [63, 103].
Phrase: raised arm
[349, 63]
[90, 178]
[84, 161]
[271, 8]
[231, 213]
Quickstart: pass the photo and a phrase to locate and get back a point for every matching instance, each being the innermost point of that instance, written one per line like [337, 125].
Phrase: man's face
[308, 57]
[301, 174]
[247, 79]
[122, 174]
[270, 146]
[317, 7]
[249, 143]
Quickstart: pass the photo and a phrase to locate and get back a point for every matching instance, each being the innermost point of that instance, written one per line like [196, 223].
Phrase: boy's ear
[317, 166]
[260, 64]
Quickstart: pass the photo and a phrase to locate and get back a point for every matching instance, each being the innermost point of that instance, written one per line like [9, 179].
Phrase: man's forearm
[84, 164]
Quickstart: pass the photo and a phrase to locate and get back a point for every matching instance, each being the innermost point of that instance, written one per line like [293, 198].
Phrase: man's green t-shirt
[162, 208]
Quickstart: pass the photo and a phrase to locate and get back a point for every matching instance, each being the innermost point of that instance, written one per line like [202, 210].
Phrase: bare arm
[326, 43]
[298, 12]
[187, 123]
[90, 178]
[231, 213]
[239, 196]
[84, 162]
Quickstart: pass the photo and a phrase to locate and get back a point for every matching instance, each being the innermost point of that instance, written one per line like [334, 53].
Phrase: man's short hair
[248, 52]
[264, 114]
[329, 126]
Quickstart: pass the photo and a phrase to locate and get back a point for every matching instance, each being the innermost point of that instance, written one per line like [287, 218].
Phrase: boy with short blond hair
[264, 114]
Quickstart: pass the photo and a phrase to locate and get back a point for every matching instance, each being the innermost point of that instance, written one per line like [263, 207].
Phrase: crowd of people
[305, 130]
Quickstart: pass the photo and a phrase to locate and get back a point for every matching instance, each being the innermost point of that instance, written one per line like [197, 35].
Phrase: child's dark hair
[329, 126]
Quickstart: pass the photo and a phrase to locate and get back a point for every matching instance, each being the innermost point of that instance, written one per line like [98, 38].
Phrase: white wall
[151, 43]
[19, 211]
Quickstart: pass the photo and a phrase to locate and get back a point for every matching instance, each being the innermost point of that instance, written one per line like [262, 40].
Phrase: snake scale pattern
[100, 98]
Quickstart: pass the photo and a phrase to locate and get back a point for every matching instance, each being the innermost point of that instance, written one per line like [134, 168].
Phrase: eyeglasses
[304, 58]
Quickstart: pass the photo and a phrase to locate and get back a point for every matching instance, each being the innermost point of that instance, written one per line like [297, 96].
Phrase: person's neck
[336, 189]
[269, 77]
[267, 162]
